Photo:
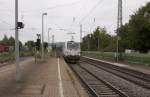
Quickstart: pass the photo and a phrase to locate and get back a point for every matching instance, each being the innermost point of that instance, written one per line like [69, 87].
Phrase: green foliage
[9, 56]
[98, 40]
[27, 53]
[11, 41]
[136, 34]
[30, 45]
[5, 40]
[6, 56]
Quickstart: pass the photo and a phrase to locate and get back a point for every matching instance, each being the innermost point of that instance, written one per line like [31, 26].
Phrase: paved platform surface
[137, 67]
[52, 78]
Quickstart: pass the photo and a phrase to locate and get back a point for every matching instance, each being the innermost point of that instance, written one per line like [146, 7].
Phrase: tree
[126, 41]
[99, 40]
[5, 40]
[30, 44]
[20, 45]
[11, 41]
[136, 33]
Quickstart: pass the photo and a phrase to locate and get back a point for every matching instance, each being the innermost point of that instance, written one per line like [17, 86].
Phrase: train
[71, 52]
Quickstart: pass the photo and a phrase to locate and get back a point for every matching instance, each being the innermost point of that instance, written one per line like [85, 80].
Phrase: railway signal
[38, 44]
[20, 25]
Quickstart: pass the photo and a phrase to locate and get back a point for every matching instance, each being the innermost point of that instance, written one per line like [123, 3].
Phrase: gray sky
[61, 14]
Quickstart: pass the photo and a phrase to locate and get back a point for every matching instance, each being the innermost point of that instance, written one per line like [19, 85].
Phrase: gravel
[129, 88]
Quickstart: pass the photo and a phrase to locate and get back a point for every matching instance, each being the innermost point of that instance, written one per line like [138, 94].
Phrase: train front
[72, 52]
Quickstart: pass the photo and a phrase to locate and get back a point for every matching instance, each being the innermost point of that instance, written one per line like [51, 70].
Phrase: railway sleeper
[102, 88]
[109, 95]
[96, 85]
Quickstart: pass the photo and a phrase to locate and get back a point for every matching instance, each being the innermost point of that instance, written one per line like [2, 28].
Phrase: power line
[4, 5]
[64, 5]
[5, 22]
[54, 7]
[48, 8]
[91, 11]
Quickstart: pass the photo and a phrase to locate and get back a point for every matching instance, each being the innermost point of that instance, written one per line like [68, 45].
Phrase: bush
[7, 56]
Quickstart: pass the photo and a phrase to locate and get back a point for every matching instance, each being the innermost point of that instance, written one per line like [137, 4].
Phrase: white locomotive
[71, 52]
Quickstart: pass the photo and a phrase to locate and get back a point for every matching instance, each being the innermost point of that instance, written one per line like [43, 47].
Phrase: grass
[138, 58]
[27, 53]
[7, 56]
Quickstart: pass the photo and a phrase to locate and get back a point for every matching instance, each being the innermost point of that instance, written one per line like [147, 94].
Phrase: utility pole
[17, 43]
[80, 35]
[119, 25]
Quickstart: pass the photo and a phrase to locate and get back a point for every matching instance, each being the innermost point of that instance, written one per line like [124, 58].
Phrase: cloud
[61, 14]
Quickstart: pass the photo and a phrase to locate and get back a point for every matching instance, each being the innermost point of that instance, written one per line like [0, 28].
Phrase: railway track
[135, 77]
[96, 86]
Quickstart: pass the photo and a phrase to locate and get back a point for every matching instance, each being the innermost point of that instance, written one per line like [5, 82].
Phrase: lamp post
[44, 14]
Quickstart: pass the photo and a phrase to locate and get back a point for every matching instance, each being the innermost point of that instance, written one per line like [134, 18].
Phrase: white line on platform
[60, 81]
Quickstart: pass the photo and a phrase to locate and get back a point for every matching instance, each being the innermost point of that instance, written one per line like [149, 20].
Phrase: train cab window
[72, 45]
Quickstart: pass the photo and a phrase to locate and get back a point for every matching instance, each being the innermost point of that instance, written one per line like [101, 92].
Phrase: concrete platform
[52, 78]
[140, 68]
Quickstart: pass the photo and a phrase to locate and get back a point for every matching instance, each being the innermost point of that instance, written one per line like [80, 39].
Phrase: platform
[52, 78]
[137, 67]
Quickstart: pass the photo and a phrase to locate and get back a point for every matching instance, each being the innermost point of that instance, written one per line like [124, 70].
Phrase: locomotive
[71, 52]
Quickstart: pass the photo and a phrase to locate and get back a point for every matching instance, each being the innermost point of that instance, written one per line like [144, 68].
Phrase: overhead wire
[1, 20]
[4, 22]
[64, 5]
[4, 5]
[53, 7]
[97, 4]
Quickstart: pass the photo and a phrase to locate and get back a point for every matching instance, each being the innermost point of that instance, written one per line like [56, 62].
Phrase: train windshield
[72, 45]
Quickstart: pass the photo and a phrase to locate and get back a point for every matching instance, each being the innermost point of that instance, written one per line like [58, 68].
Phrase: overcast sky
[63, 14]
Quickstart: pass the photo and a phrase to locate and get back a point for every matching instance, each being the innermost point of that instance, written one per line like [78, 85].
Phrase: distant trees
[30, 44]
[99, 40]
[5, 40]
[10, 42]
[134, 35]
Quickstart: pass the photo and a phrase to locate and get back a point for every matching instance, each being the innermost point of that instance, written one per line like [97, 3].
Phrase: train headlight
[78, 53]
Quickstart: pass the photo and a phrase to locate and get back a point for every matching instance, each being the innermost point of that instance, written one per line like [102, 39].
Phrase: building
[4, 48]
